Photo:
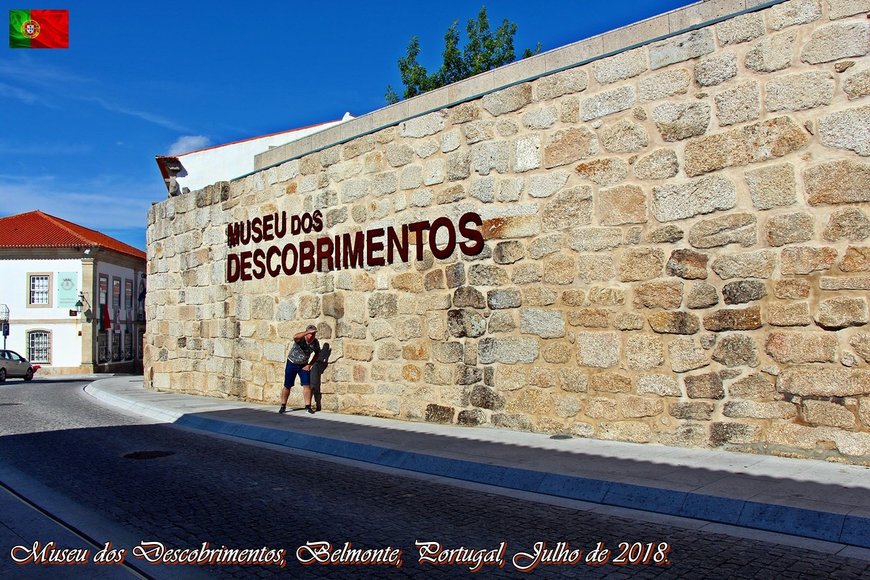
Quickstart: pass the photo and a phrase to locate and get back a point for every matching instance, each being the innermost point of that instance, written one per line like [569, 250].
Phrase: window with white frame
[39, 292]
[39, 346]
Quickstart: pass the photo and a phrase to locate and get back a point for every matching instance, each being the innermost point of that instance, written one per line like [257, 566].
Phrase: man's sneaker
[309, 409]
[283, 409]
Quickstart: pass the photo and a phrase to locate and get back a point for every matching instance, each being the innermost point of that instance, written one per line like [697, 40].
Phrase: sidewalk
[806, 498]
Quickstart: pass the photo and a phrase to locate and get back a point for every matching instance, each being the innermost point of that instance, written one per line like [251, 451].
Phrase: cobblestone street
[244, 496]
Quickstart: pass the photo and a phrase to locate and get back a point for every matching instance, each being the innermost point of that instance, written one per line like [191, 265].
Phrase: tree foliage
[484, 50]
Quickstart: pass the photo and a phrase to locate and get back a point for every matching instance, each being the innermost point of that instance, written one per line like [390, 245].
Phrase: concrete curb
[842, 528]
[833, 527]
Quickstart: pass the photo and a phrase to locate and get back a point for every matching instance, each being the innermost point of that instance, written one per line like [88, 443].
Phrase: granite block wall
[674, 248]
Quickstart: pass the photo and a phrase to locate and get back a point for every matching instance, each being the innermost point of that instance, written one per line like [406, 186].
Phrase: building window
[39, 346]
[128, 295]
[39, 291]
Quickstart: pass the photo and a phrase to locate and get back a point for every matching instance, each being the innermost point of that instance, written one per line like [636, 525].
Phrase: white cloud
[188, 143]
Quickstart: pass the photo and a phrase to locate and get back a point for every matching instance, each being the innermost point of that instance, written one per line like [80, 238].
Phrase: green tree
[484, 50]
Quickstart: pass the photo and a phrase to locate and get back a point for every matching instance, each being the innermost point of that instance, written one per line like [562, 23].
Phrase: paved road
[74, 456]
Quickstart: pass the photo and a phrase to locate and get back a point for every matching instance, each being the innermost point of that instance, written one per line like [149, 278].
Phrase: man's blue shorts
[293, 369]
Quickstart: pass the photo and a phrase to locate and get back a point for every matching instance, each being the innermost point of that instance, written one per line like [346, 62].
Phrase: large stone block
[715, 69]
[598, 349]
[799, 91]
[737, 228]
[568, 208]
[637, 407]
[589, 317]
[772, 53]
[772, 186]
[603, 171]
[749, 265]
[527, 153]
[790, 228]
[667, 295]
[688, 264]
[754, 410]
[383, 305]
[595, 239]
[706, 386]
[660, 385]
[625, 65]
[847, 130]
[644, 352]
[858, 84]
[861, 343]
[827, 414]
[559, 269]
[465, 322]
[760, 141]
[678, 121]
[490, 156]
[842, 312]
[850, 223]
[836, 41]
[845, 283]
[754, 386]
[842, 8]
[546, 184]
[595, 267]
[486, 398]
[424, 125]
[624, 136]
[681, 48]
[563, 83]
[626, 204]
[632, 431]
[801, 347]
[487, 275]
[693, 411]
[503, 298]
[736, 350]
[739, 104]
[700, 196]
[508, 100]
[804, 259]
[674, 322]
[664, 84]
[641, 264]
[659, 164]
[541, 118]
[510, 350]
[793, 12]
[687, 355]
[743, 291]
[544, 323]
[733, 433]
[740, 29]
[856, 259]
[816, 381]
[797, 314]
[569, 145]
[733, 319]
[607, 103]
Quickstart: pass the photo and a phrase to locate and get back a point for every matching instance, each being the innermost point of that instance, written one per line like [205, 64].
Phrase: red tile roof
[36, 229]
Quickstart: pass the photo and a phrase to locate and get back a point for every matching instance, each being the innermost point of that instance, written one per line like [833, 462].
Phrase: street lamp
[80, 307]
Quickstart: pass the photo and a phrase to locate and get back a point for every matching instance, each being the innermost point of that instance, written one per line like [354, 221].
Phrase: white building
[73, 297]
[197, 169]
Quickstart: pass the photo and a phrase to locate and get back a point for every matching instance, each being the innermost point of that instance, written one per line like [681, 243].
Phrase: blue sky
[79, 128]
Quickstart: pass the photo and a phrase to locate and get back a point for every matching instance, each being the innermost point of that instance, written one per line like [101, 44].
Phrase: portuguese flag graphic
[38, 29]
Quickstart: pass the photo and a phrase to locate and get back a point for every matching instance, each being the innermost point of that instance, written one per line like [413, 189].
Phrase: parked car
[13, 364]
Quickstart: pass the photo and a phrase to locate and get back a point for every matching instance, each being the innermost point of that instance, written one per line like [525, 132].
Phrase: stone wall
[677, 251]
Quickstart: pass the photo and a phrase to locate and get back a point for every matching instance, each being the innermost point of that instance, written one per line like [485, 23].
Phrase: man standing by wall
[299, 362]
